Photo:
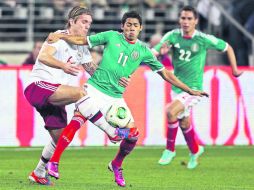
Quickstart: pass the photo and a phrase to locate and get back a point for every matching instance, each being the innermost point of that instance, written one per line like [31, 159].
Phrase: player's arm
[78, 40]
[163, 46]
[46, 57]
[232, 60]
[161, 49]
[90, 67]
[171, 78]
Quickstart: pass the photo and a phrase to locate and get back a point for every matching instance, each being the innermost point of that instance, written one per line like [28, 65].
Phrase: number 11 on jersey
[120, 59]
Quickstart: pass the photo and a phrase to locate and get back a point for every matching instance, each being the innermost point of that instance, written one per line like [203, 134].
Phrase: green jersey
[189, 55]
[120, 59]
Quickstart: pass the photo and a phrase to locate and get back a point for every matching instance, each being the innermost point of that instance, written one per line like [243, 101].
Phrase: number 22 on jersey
[184, 55]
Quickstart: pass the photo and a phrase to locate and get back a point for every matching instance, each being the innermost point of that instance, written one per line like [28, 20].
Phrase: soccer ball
[118, 116]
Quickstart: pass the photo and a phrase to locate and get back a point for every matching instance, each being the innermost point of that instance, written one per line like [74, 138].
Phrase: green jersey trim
[88, 41]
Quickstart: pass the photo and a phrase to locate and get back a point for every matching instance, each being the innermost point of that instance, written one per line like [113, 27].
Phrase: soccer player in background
[122, 55]
[189, 48]
[49, 90]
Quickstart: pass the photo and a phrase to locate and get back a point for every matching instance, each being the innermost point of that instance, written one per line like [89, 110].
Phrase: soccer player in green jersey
[189, 48]
[123, 53]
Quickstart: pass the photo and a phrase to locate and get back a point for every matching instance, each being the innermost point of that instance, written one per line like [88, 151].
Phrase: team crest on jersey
[195, 47]
[135, 55]
[177, 45]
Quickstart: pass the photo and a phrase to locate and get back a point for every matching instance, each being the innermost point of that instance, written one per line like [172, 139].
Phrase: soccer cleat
[52, 168]
[118, 172]
[167, 157]
[193, 162]
[115, 139]
[40, 180]
[124, 133]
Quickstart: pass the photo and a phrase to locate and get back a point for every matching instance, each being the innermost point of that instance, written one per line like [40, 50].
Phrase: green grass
[86, 168]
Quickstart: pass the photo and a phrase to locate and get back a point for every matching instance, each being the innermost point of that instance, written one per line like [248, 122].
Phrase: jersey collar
[129, 41]
[188, 37]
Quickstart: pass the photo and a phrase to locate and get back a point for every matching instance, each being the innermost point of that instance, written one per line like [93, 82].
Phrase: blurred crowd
[53, 13]
[243, 13]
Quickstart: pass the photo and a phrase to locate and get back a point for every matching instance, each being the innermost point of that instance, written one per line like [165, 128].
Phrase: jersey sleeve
[101, 38]
[165, 39]
[215, 43]
[151, 61]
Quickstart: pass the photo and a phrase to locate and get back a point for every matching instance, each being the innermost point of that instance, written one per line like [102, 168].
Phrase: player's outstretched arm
[78, 40]
[232, 61]
[171, 78]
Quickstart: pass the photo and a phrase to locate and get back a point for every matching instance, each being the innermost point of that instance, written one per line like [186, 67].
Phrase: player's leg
[39, 175]
[55, 120]
[126, 146]
[92, 107]
[64, 140]
[173, 111]
[189, 135]
[86, 105]
[37, 95]
[65, 94]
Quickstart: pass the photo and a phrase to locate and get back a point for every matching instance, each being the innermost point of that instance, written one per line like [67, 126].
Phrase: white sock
[91, 112]
[47, 152]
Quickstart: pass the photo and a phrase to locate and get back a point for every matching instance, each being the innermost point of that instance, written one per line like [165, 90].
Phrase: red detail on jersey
[69, 59]
[130, 41]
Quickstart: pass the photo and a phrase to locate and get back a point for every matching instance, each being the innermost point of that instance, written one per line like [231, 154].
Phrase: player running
[189, 48]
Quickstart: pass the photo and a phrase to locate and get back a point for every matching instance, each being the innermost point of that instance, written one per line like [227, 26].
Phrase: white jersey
[65, 52]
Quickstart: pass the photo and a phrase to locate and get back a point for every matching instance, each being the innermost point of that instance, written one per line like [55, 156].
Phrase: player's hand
[124, 82]
[198, 93]
[164, 49]
[53, 37]
[237, 73]
[71, 68]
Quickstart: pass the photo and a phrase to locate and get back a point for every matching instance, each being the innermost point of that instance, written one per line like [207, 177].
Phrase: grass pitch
[86, 168]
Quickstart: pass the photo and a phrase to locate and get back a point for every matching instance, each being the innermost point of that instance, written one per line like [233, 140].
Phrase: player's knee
[184, 124]
[171, 113]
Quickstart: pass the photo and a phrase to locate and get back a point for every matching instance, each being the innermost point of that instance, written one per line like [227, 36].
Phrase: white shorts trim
[187, 100]
[103, 101]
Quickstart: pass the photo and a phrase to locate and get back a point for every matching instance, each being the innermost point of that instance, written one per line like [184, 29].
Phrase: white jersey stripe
[48, 87]
[41, 84]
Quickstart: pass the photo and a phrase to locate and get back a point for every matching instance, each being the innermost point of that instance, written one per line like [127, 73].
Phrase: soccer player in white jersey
[122, 55]
[189, 48]
[49, 90]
